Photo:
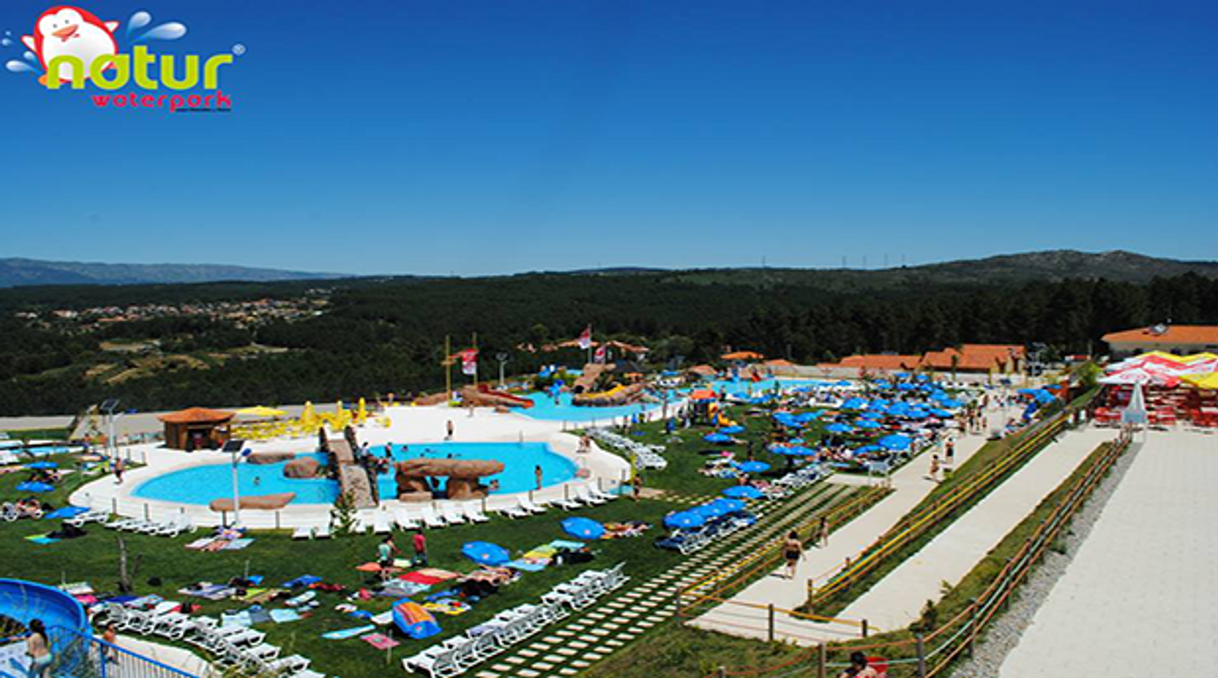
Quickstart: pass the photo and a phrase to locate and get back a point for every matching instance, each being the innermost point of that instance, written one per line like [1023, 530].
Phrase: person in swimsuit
[792, 551]
[39, 649]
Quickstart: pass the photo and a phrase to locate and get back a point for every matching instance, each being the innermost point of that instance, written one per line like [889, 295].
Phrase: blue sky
[484, 137]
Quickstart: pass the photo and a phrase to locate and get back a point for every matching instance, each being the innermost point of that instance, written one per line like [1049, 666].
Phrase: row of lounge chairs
[239, 647]
[461, 653]
[692, 540]
[645, 456]
[802, 477]
[172, 527]
[381, 521]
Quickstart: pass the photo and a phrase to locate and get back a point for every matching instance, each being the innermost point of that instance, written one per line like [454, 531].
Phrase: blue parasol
[895, 441]
[65, 512]
[743, 492]
[729, 505]
[485, 553]
[42, 465]
[684, 519]
[717, 438]
[732, 430]
[867, 424]
[753, 466]
[584, 528]
[839, 428]
[34, 487]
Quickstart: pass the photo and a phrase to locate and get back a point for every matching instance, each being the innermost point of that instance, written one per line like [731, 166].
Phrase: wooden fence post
[921, 657]
[822, 660]
[770, 631]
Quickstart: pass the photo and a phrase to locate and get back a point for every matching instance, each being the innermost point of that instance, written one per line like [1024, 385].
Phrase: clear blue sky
[429, 136]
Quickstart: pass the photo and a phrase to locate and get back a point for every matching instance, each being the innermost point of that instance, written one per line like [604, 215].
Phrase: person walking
[934, 467]
[110, 637]
[39, 649]
[949, 453]
[537, 475]
[792, 551]
[859, 667]
[822, 532]
[118, 470]
[384, 555]
[419, 543]
[450, 430]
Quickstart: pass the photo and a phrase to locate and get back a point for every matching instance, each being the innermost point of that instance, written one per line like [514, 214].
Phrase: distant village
[242, 314]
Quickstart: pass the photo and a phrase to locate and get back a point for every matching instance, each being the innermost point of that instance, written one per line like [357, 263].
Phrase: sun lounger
[514, 512]
[404, 520]
[380, 522]
[568, 504]
[474, 514]
[451, 514]
[584, 494]
[302, 533]
[430, 519]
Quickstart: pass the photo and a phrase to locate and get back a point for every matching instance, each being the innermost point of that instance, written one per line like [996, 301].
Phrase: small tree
[342, 516]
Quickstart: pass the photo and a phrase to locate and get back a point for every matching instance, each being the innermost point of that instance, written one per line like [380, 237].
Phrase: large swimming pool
[202, 484]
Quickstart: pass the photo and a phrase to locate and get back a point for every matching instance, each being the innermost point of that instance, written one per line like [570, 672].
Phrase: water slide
[587, 379]
[511, 399]
[23, 601]
[485, 396]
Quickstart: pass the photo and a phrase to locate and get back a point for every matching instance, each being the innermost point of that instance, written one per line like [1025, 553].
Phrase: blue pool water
[743, 386]
[545, 408]
[202, 484]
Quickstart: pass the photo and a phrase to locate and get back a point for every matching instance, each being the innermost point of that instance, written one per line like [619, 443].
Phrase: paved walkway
[897, 600]
[1138, 597]
[590, 635]
[910, 485]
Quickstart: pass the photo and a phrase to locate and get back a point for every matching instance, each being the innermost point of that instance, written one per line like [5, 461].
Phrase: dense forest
[387, 335]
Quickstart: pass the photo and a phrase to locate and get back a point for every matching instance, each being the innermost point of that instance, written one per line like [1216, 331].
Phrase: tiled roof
[1171, 334]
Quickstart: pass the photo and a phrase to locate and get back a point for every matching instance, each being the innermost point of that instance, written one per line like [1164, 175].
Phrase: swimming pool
[546, 409]
[202, 484]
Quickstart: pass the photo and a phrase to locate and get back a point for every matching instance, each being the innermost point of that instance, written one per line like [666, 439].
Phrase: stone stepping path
[590, 635]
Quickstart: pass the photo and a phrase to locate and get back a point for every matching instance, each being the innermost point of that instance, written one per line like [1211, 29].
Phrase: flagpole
[448, 370]
[475, 360]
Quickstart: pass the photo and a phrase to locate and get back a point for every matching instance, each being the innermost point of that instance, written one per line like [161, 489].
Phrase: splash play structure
[484, 396]
[464, 476]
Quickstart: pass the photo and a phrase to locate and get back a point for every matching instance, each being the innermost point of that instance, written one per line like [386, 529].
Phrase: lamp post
[237, 454]
[502, 358]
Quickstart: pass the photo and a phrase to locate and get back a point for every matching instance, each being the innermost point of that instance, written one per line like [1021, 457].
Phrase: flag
[469, 361]
[599, 356]
[585, 338]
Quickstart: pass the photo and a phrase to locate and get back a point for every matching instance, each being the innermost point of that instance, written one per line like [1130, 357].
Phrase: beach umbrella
[905, 386]
[867, 449]
[753, 466]
[717, 438]
[742, 492]
[584, 528]
[941, 413]
[918, 413]
[806, 417]
[895, 441]
[709, 510]
[883, 384]
[867, 424]
[65, 512]
[42, 465]
[361, 414]
[844, 383]
[684, 519]
[485, 553]
[949, 404]
[792, 450]
[732, 430]
[414, 620]
[855, 403]
[839, 428]
[34, 487]
[729, 505]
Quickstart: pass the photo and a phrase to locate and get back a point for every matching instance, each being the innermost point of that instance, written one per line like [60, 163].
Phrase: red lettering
[146, 101]
[194, 101]
[223, 101]
[100, 100]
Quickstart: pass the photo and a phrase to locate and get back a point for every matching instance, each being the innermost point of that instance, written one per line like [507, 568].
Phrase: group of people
[793, 546]
[387, 550]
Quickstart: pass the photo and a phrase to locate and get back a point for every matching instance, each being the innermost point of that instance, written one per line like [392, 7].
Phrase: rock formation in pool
[463, 476]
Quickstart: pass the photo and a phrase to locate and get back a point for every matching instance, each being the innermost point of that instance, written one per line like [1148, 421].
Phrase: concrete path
[910, 484]
[898, 599]
[1138, 597]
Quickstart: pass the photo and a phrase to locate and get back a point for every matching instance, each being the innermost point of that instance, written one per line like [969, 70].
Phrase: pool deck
[407, 425]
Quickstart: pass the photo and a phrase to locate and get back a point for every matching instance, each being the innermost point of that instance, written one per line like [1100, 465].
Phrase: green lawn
[94, 558]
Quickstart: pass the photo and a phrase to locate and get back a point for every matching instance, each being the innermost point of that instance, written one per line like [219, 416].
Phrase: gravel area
[1004, 632]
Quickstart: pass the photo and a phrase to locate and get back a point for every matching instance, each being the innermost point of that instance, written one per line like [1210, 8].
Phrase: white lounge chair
[404, 520]
[380, 522]
[430, 519]
[451, 514]
[302, 532]
[584, 494]
[474, 514]
[529, 505]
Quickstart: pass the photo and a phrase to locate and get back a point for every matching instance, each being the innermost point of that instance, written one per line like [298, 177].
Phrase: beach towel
[414, 620]
[285, 616]
[303, 580]
[402, 588]
[238, 544]
[41, 539]
[420, 578]
[348, 633]
[241, 618]
[301, 599]
[526, 566]
[450, 606]
[380, 641]
[564, 544]
[383, 618]
[263, 595]
[442, 575]
[200, 543]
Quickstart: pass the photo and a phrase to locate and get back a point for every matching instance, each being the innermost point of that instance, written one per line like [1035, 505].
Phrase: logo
[72, 48]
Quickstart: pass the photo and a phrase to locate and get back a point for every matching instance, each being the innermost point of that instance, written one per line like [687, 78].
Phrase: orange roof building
[1177, 339]
[196, 428]
[979, 358]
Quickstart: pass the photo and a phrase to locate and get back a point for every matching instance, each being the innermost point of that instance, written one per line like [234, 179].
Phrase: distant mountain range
[1008, 268]
[25, 272]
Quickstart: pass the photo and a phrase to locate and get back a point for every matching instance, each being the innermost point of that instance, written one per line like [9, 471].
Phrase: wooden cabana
[196, 428]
